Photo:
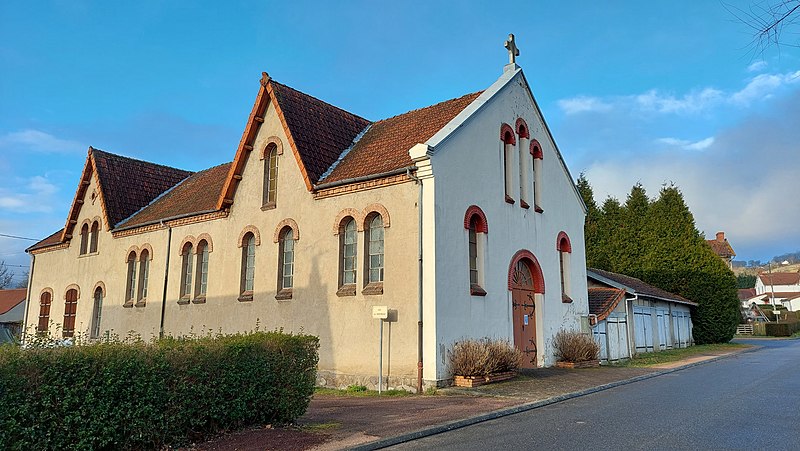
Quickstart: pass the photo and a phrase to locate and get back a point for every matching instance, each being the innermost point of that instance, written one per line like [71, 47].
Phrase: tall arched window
[536, 152]
[84, 239]
[564, 251]
[524, 164]
[70, 310]
[509, 141]
[201, 280]
[475, 223]
[130, 289]
[270, 175]
[348, 256]
[248, 266]
[285, 262]
[96, 313]
[94, 236]
[186, 271]
[44, 312]
[374, 255]
[144, 274]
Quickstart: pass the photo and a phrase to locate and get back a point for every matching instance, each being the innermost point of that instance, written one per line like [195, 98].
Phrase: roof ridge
[272, 80]
[94, 149]
[429, 106]
[344, 153]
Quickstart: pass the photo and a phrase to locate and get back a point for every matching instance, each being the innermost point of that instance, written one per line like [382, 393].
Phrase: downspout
[166, 281]
[630, 323]
[24, 335]
[419, 280]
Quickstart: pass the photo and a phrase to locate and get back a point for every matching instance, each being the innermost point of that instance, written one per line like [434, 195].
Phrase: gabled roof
[51, 240]
[721, 248]
[603, 300]
[384, 147]
[11, 298]
[780, 295]
[635, 286]
[780, 278]
[195, 195]
[746, 293]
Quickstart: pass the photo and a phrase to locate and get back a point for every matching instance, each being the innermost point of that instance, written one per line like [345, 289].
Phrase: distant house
[722, 248]
[629, 316]
[784, 287]
[12, 312]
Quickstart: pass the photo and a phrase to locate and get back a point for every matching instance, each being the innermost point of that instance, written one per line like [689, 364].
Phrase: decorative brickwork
[252, 229]
[507, 134]
[189, 239]
[101, 286]
[288, 222]
[562, 242]
[374, 208]
[362, 186]
[133, 249]
[272, 140]
[345, 213]
[536, 149]
[522, 128]
[207, 238]
[482, 225]
[149, 249]
[536, 269]
[72, 286]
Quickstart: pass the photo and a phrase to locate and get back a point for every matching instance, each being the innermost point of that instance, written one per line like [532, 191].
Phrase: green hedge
[781, 329]
[134, 396]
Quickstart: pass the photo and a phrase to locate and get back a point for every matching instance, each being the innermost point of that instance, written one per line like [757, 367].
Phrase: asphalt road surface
[750, 401]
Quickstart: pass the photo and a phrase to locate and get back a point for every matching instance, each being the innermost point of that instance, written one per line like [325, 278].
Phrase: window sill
[524, 204]
[246, 296]
[88, 254]
[128, 303]
[199, 300]
[509, 199]
[284, 294]
[268, 206]
[183, 301]
[476, 290]
[566, 299]
[140, 303]
[373, 288]
[538, 209]
[347, 290]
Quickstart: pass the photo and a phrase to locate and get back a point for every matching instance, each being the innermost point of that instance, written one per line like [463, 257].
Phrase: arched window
[44, 312]
[270, 175]
[96, 313]
[84, 239]
[130, 289]
[248, 266]
[536, 153]
[144, 274]
[348, 256]
[201, 280]
[285, 262]
[524, 164]
[564, 251]
[70, 309]
[509, 141]
[374, 255]
[186, 271]
[93, 237]
[475, 223]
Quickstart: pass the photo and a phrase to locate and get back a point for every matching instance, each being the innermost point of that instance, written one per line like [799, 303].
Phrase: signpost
[380, 312]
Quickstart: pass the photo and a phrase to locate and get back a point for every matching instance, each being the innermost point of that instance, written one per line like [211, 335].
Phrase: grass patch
[321, 427]
[359, 393]
[673, 355]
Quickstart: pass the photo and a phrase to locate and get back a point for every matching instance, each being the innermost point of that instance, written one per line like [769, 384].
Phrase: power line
[18, 237]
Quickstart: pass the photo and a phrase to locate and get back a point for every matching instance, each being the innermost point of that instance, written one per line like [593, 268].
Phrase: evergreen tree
[593, 216]
[632, 238]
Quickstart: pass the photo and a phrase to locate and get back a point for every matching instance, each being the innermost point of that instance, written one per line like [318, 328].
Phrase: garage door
[643, 327]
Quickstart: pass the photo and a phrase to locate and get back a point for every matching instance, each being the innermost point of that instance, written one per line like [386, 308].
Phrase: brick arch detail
[149, 249]
[207, 238]
[562, 242]
[135, 249]
[522, 128]
[98, 220]
[288, 222]
[507, 134]
[72, 286]
[345, 213]
[252, 229]
[46, 290]
[272, 140]
[101, 286]
[483, 225]
[536, 150]
[536, 269]
[189, 239]
[375, 208]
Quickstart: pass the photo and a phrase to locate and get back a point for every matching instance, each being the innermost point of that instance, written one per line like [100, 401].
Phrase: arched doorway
[525, 281]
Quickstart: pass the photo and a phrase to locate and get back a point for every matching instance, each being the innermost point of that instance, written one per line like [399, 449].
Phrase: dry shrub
[575, 347]
[483, 357]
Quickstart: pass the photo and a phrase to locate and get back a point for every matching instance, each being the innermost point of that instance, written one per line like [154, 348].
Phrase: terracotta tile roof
[320, 131]
[49, 241]
[603, 301]
[196, 194]
[11, 298]
[780, 278]
[766, 297]
[128, 185]
[384, 147]
[746, 293]
[639, 287]
[721, 248]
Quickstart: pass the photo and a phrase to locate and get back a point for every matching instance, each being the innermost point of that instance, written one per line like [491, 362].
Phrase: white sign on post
[380, 312]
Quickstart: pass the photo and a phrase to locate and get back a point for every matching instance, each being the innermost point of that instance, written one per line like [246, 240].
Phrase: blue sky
[633, 91]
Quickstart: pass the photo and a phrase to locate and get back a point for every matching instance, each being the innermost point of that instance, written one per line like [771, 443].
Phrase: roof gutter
[364, 178]
[161, 221]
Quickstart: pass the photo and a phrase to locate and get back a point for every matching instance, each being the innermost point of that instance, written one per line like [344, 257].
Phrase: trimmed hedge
[781, 329]
[134, 396]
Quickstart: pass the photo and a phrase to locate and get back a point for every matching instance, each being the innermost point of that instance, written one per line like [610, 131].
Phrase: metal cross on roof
[513, 51]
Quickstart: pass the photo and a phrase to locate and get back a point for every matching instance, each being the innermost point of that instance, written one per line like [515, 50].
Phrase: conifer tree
[632, 238]
[592, 221]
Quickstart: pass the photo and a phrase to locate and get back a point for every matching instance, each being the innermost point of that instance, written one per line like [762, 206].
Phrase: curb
[446, 427]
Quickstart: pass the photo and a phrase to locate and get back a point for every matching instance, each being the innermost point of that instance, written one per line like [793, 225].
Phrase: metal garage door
[643, 327]
[612, 336]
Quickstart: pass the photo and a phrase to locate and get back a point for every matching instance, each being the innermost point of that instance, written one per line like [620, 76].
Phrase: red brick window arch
[509, 140]
[477, 228]
[564, 248]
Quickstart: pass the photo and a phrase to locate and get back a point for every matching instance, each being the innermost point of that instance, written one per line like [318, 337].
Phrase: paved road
[750, 401]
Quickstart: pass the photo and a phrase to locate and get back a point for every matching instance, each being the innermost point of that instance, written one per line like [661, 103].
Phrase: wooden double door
[523, 297]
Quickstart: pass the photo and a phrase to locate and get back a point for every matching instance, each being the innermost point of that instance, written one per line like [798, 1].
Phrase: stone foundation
[331, 379]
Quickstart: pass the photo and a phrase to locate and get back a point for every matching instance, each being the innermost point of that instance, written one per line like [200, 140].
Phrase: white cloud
[703, 144]
[757, 66]
[690, 103]
[583, 104]
[38, 141]
[33, 195]
[762, 86]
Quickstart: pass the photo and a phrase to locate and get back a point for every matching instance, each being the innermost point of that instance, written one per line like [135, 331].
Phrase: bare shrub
[575, 347]
[483, 357]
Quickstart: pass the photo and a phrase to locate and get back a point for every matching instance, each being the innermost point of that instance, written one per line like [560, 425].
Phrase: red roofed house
[12, 312]
[460, 217]
[722, 248]
[783, 287]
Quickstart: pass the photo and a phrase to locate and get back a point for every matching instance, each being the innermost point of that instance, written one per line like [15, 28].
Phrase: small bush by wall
[575, 347]
[134, 396]
[483, 357]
